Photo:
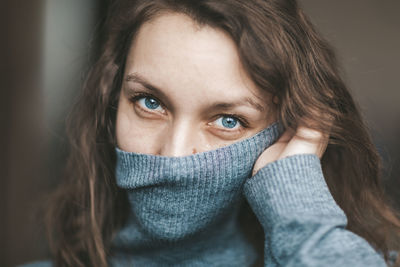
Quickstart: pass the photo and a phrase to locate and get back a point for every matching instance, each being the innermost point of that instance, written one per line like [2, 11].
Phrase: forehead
[176, 54]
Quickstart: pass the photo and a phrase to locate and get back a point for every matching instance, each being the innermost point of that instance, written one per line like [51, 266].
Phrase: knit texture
[302, 223]
[184, 210]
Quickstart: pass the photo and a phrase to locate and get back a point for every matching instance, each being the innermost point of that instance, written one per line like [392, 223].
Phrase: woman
[197, 115]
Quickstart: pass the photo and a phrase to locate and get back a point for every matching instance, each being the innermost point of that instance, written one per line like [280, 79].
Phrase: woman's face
[185, 91]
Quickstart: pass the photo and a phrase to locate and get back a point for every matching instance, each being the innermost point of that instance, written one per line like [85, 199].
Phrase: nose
[179, 140]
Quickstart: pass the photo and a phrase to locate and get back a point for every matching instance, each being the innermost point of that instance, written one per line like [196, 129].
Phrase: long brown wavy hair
[283, 54]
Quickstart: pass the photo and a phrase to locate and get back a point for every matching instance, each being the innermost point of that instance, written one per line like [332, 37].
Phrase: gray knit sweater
[184, 210]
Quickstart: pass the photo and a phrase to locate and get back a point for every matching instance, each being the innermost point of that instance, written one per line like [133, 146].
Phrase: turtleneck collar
[184, 209]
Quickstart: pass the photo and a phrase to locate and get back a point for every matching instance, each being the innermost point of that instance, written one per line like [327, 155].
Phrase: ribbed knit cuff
[292, 186]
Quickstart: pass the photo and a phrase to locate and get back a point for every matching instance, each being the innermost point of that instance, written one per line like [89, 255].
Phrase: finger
[306, 141]
[286, 136]
[269, 155]
[310, 134]
[319, 139]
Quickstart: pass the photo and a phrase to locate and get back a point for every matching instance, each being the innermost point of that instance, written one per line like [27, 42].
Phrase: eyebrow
[137, 78]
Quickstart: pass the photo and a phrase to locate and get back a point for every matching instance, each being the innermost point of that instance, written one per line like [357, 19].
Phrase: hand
[291, 143]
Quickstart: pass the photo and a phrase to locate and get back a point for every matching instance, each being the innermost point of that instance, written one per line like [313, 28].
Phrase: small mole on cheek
[194, 151]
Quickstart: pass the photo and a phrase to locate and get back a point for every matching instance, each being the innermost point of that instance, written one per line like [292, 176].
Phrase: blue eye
[150, 103]
[228, 122]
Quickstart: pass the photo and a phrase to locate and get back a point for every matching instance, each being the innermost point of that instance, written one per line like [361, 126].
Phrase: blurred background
[48, 45]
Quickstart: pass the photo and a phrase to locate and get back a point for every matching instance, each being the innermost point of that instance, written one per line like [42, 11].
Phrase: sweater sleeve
[302, 223]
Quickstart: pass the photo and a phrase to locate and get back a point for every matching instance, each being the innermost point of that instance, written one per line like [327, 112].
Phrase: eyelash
[242, 121]
[136, 96]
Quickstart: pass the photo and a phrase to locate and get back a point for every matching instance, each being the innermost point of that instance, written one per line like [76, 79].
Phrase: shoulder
[37, 264]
